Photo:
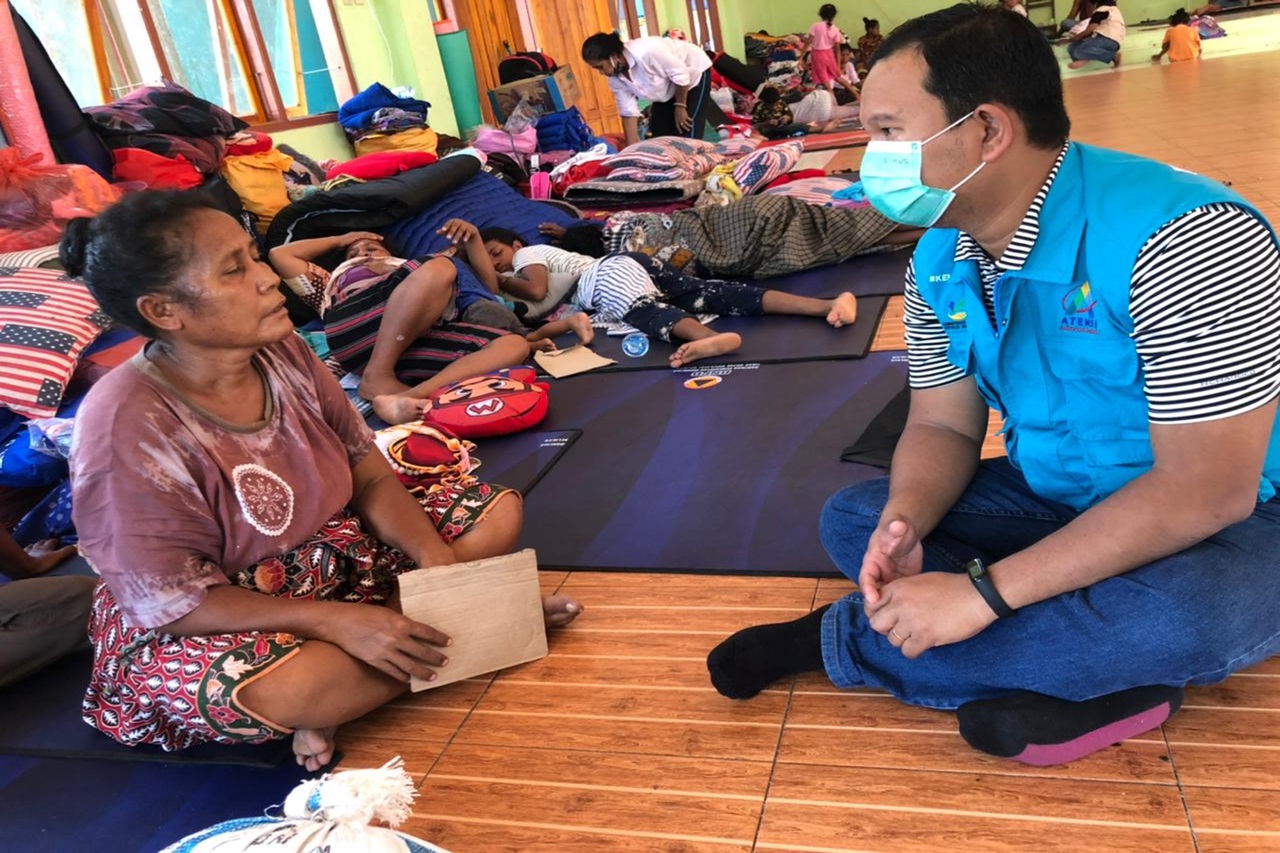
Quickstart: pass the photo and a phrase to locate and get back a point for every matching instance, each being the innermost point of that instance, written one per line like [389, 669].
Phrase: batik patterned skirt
[175, 692]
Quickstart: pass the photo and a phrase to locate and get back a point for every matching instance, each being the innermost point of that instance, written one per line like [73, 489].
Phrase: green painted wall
[390, 42]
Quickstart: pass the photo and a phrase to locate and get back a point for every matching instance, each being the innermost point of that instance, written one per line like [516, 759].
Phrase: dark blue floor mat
[765, 340]
[49, 805]
[40, 716]
[728, 479]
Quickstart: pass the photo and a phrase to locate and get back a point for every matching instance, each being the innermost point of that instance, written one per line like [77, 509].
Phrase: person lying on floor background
[1130, 543]
[247, 532]
[757, 236]
[41, 619]
[473, 331]
[639, 291]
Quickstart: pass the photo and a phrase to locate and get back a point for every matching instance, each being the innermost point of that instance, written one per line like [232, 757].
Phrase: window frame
[269, 111]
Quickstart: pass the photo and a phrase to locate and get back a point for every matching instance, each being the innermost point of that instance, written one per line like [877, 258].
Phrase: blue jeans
[1099, 48]
[1190, 618]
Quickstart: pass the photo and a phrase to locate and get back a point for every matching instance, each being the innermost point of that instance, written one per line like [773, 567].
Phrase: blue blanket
[483, 201]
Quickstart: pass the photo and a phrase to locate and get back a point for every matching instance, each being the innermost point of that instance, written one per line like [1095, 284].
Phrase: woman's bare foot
[396, 409]
[559, 610]
[718, 344]
[1116, 61]
[581, 325]
[844, 310]
[313, 748]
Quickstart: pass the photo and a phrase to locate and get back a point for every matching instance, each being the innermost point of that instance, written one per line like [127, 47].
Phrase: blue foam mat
[729, 479]
[40, 716]
[52, 804]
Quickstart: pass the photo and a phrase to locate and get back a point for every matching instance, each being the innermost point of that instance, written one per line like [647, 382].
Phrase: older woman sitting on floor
[244, 526]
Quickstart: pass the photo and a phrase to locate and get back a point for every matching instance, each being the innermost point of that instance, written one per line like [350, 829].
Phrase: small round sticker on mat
[701, 383]
[635, 345]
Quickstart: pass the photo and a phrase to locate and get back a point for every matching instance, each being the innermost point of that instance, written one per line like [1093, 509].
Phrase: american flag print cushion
[46, 321]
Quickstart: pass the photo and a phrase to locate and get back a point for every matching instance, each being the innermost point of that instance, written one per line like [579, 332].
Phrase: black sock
[754, 658]
[1042, 730]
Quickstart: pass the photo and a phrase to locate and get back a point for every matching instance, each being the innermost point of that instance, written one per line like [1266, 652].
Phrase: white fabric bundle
[332, 813]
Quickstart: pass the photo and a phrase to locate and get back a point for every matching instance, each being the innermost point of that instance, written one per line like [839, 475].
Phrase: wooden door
[492, 26]
[560, 29]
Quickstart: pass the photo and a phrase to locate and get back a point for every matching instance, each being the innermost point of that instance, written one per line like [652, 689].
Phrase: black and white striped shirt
[1204, 358]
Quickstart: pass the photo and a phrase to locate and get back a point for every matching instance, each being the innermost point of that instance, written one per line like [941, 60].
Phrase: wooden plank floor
[616, 742]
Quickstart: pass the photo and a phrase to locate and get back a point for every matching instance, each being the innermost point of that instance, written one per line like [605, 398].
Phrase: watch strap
[982, 582]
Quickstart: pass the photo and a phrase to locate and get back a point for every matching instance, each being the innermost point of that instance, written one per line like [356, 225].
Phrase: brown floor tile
[1132, 761]
[550, 836]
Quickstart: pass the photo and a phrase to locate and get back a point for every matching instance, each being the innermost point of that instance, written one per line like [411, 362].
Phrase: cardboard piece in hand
[570, 362]
[491, 609]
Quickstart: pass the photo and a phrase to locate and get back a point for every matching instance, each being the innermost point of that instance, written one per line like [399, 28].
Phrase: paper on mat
[492, 609]
[571, 361]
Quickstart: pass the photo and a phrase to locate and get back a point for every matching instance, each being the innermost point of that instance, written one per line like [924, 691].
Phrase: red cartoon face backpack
[498, 403]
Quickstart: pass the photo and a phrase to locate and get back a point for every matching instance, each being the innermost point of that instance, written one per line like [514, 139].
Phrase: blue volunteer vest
[1060, 365]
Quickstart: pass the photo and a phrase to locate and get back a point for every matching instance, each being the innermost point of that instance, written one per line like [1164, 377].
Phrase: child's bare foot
[1079, 63]
[719, 344]
[376, 386]
[844, 310]
[313, 748]
[581, 325]
[559, 610]
[1116, 61]
[397, 409]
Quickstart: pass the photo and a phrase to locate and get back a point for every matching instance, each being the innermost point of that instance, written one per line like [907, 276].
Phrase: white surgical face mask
[891, 179]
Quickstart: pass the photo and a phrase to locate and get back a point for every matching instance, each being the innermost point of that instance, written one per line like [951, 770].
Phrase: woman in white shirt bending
[674, 75]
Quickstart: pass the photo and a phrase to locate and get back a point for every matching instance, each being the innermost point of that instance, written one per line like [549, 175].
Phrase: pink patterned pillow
[665, 152]
[738, 146]
[767, 165]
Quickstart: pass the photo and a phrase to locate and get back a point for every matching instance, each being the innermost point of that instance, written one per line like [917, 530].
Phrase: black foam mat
[765, 340]
[727, 479]
[61, 804]
[40, 716]
[881, 273]
[520, 461]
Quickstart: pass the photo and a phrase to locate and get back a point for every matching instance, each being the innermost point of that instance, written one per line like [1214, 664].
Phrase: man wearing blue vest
[1123, 317]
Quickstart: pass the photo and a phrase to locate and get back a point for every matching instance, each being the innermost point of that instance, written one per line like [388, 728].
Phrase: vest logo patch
[1077, 310]
[957, 311]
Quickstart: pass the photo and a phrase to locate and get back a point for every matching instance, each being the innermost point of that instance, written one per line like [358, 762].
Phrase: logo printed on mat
[700, 383]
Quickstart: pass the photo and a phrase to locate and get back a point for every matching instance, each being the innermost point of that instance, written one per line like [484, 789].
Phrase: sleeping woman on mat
[410, 327]
[642, 292]
[246, 530]
[407, 327]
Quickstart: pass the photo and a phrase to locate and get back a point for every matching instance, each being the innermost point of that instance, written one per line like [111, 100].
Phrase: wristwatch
[982, 582]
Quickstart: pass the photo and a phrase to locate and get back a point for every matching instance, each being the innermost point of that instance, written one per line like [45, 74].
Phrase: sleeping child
[637, 291]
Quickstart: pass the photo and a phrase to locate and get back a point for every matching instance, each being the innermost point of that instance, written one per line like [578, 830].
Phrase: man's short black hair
[979, 54]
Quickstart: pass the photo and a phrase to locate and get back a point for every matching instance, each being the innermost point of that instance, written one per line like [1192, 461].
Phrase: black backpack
[523, 65]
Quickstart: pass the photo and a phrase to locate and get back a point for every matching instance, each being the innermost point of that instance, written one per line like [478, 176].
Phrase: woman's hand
[459, 231]
[552, 230]
[345, 241]
[684, 123]
[387, 641]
